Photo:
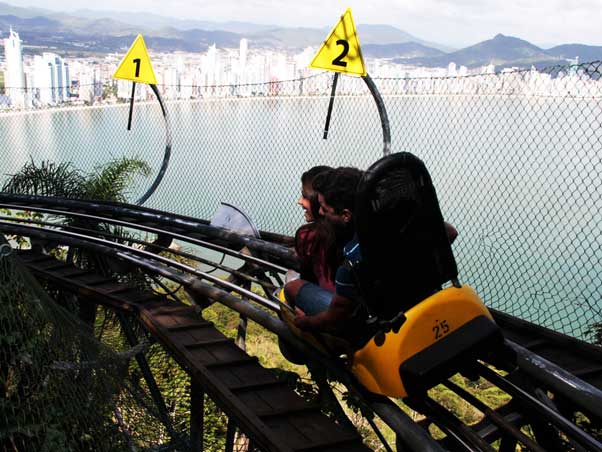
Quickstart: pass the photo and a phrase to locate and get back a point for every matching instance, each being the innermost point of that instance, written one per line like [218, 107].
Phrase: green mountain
[155, 21]
[499, 51]
[100, 30]
[387, 34]
[85, 31]
[6, 9]
[585, 53]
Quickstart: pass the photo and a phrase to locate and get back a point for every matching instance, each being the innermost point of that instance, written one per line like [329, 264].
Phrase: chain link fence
[515, 158]
[73, 385]
[58, 384]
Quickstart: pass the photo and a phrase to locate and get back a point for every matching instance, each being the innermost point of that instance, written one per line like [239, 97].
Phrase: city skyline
[453, 23]
[47, 79]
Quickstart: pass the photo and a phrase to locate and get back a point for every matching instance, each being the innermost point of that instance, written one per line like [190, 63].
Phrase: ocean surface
[519, 177]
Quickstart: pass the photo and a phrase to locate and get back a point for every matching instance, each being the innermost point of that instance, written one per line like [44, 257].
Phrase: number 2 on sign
[338, 61]
[137, 63]
[440, 329]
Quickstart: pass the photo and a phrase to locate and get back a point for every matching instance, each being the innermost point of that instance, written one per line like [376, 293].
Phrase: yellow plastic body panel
[377, 366]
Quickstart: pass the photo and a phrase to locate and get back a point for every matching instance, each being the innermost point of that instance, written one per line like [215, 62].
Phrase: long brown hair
[315, 242]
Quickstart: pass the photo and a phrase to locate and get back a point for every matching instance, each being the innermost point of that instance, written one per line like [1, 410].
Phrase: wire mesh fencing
[73, 384]
[59, 385]
[515, 158]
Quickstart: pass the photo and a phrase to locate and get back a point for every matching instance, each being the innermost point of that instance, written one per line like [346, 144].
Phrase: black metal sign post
[331, 103]
[131, 106]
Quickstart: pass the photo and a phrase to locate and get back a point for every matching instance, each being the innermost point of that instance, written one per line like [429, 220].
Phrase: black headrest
[406, 254]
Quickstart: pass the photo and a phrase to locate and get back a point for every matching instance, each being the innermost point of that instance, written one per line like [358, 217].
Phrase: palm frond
[110, 182]
[46, 179]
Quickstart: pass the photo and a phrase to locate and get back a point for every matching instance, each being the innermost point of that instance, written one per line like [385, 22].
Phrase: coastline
[5, 114]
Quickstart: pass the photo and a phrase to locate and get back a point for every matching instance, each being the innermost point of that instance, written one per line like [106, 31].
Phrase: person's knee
[292, 288]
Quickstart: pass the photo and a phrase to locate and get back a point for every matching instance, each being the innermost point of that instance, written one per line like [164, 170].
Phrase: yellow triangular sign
[136, 65]
[341, 51]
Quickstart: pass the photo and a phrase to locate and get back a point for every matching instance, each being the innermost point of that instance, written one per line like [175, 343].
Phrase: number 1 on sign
[137, 63]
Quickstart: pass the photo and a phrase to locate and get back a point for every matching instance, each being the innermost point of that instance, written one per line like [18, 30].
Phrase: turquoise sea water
[518, 177]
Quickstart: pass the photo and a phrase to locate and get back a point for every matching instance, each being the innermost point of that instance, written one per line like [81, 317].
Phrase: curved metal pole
[158, 231]
[382, 111]
[144, 215]
[413, 436]
[122, 250]
[166, 155]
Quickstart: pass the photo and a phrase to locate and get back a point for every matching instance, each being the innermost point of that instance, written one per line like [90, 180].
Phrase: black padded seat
[406, 254]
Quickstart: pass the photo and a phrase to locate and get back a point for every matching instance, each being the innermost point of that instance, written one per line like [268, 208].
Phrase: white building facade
[14, 77]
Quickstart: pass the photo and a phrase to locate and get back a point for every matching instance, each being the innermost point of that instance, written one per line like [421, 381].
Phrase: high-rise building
[86, 77]
[51, 80]
[42, 93]
[14, 79]
[210, 69]
[242, 58]
[60, 76]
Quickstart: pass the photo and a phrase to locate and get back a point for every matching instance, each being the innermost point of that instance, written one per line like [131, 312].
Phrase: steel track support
[126, 326]
[508, 444]
[230, 434]
[541, 413]
[328, 399]
[241, 335]
[197, 416]
[379, 434]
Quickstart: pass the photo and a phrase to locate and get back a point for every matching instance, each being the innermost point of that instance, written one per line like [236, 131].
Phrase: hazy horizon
[458, 24]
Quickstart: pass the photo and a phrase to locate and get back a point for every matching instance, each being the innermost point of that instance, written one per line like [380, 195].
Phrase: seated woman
[316, 310]
[314, 241]
[338, 312]
[404, 328]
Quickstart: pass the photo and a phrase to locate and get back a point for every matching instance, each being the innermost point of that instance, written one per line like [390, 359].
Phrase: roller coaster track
[557, 376]
[264, 407]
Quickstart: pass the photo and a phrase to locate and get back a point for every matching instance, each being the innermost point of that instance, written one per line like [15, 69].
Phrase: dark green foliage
[47, 179]
[108, 182]
[111, 181]
[595, 331]
[56, 383]
[65, 406]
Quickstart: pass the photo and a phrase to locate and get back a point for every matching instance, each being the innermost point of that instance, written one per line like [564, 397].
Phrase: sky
[456, 23]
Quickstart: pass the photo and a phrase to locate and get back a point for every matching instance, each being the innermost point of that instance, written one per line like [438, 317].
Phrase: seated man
[320, 309]
[340, 313]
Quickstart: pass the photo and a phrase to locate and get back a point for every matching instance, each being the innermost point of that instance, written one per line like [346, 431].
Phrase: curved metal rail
[382, 112]
[166, 154]
[391, 414]
[177, 226]
[503, 424]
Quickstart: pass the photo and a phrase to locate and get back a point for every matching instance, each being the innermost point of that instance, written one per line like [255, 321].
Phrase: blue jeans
[312, 299]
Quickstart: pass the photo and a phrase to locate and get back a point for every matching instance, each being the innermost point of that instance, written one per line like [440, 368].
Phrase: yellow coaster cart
[414, 332]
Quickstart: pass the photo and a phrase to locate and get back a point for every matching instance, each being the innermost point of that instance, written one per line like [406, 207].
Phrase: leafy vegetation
[595, 331]
[50, 400]
[72, 406]
[123, 412]
[108, 182]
